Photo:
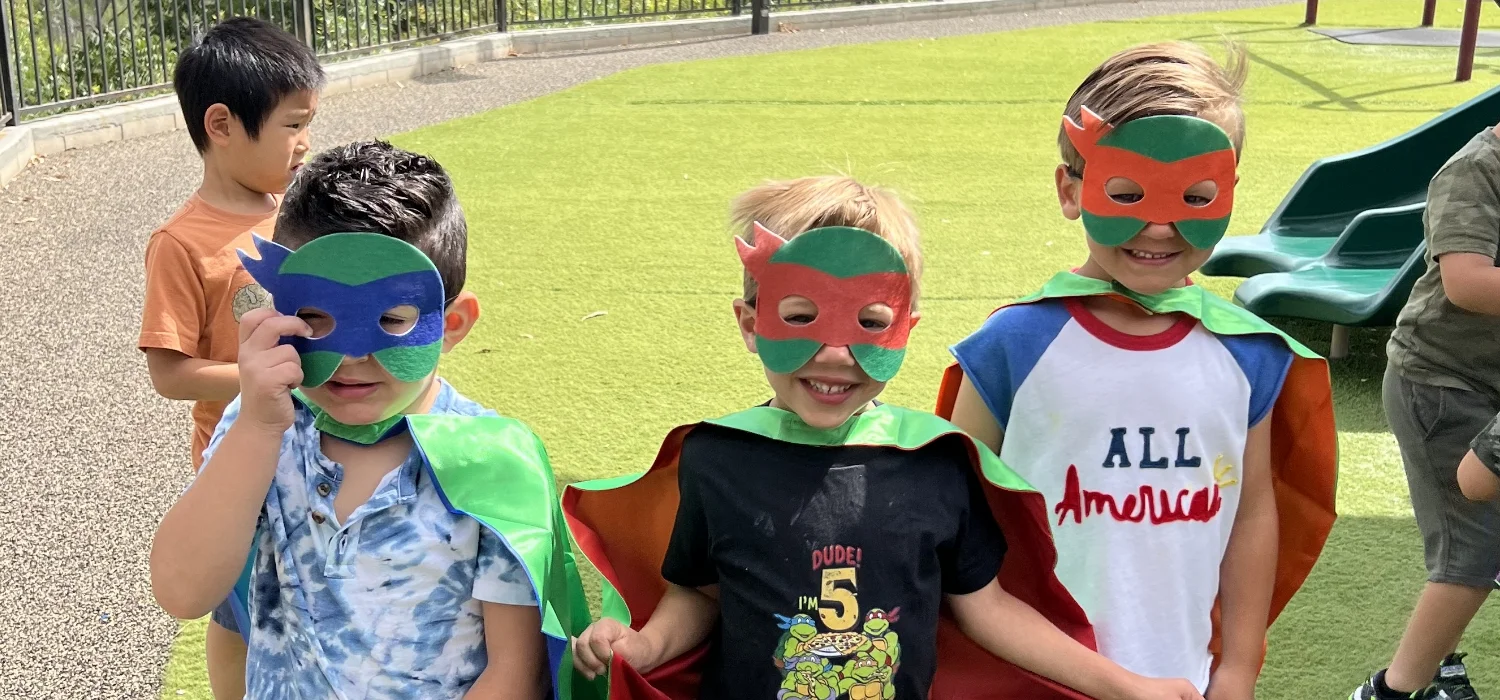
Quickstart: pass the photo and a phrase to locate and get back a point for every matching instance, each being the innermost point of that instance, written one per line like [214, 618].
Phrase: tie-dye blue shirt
[385, 605]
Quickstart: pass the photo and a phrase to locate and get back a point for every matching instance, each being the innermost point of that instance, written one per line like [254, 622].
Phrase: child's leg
[1434, 426]
[1436, 626]
[226, 655]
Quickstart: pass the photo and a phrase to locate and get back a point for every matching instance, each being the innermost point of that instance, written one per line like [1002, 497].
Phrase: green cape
[496, 471]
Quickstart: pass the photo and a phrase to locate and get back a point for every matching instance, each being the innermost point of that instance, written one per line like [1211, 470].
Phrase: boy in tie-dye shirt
[366, 582]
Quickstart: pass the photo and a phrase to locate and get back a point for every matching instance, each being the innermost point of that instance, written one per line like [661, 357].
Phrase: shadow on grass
[1346, 620]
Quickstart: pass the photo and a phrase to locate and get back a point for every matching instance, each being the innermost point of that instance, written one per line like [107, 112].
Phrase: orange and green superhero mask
[842, 271]
[1166, 155]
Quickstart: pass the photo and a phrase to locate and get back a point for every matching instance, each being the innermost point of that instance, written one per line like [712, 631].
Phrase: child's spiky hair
[1164, 78]
[793, 207]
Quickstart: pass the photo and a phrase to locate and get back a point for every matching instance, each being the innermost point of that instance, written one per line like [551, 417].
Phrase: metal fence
[62, 54]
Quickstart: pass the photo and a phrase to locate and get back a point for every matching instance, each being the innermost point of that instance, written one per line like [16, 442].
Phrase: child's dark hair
[374, 187]
[246, 65]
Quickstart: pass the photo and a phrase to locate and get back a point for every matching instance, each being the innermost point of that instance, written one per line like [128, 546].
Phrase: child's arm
[974, 417]
[177, 376]
[172, 323]
[1476, 480]
[681, 621]
[1471, 281]
[1012, 630]
[1247, 576]
[517, 668]
[1463, 212]
[202, 543]
[1479, 472]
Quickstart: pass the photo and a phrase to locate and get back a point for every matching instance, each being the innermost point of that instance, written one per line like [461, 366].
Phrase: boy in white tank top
[1158, 419]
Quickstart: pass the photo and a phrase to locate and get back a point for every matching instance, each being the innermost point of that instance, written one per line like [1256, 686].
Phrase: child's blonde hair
[1165, 78]
[792, 207]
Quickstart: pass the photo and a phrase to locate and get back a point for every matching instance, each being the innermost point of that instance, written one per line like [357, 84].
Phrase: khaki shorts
[1434, 426]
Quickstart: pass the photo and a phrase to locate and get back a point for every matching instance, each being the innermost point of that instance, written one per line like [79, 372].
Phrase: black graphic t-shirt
[831, 562]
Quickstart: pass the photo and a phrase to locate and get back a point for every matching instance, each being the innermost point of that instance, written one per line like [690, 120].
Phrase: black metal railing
[62, 54]
[525, 13]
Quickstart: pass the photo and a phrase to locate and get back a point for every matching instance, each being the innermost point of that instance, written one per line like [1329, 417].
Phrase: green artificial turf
[612, 198]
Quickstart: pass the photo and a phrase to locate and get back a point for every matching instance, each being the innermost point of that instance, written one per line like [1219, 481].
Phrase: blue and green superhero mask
[355, 278]
[1166, 155]
[841, 270]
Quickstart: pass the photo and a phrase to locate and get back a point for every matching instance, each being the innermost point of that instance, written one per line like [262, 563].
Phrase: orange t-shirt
[196, 291]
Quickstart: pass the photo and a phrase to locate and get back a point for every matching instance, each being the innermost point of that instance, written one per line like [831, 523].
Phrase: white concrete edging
[117, 122]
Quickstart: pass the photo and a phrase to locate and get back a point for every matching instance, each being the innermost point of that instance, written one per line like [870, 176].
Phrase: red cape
[623, 529]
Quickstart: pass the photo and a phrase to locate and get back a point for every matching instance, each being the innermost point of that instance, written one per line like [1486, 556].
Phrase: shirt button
[317, 517]
[324, 489]
[343, 542]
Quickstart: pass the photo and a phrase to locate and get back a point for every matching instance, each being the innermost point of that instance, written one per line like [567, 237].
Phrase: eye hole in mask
[399, 320]
[320, 321]
[1123, 190]
[876, 317]
[797, 311]
[1201, 194]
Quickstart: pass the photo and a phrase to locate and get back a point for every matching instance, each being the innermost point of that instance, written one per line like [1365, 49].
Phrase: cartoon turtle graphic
[865, 678]
[885, 642]
[809, 677]
[794, 640]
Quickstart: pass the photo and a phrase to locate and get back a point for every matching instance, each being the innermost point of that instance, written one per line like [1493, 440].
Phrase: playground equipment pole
[1468, 40]
[1429, 11]
[1312, 13]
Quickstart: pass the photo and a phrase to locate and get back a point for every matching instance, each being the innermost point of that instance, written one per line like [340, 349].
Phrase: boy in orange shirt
[248, 91]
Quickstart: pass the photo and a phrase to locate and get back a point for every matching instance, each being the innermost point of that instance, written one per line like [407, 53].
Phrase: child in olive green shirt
[1442, 386]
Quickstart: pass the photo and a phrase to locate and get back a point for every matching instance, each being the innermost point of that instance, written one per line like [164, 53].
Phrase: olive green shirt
[1436, 342]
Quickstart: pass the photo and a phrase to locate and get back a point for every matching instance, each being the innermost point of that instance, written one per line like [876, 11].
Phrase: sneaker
[1367, 692]
[1451, 681]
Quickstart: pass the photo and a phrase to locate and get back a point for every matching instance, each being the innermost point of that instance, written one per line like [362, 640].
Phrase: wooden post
[1429, 12]
[1468, 40]
[1312, 13]
[1339, 348]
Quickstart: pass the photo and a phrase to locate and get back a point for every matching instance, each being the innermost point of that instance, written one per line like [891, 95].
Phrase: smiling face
[803, 628]
[831, 386]
[1156, 196]
[361, 391]
[1153, 261]
[830, 320]
[876, 623]
[378, 323]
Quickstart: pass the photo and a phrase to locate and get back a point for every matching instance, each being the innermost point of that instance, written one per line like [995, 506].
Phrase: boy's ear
[744, 317]
[459, 318]
[218, 123]
[1069, 194]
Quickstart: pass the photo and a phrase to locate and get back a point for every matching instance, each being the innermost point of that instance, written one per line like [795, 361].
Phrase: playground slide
[1387, 180]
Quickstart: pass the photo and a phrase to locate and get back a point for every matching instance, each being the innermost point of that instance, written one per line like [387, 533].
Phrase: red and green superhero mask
[842, 271]
[1166, 155]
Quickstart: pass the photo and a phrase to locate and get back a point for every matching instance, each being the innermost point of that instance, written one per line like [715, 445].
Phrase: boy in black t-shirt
[814, 539]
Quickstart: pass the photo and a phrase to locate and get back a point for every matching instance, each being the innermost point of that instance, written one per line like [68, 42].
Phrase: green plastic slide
[1369, 193]
[1343, 296]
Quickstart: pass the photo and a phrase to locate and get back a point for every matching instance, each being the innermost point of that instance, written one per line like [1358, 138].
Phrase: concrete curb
[19, 146]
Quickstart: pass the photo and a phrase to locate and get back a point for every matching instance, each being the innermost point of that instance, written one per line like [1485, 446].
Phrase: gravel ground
[101, 456]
